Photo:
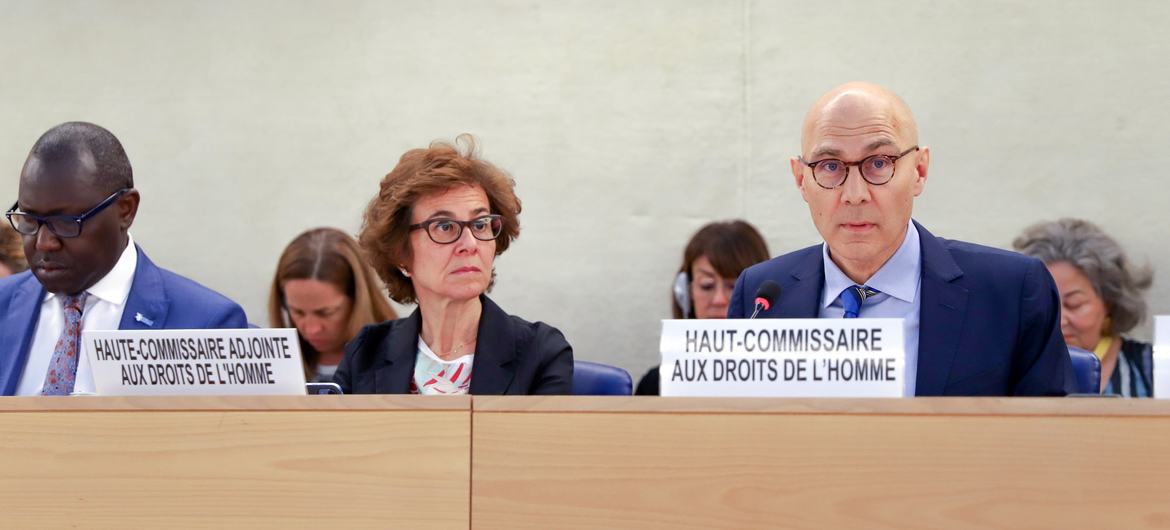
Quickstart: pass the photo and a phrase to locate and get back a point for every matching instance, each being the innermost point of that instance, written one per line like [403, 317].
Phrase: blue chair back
[596, 379]
[1087, 367]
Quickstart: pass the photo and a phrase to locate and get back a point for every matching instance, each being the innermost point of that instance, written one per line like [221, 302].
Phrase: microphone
[766, 295]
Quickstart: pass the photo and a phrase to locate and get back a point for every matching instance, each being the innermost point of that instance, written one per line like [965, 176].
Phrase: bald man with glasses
[74, 210]
[979, 321]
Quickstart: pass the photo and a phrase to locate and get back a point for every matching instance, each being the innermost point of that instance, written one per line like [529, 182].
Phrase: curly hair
[385, 233]
[1085, 246]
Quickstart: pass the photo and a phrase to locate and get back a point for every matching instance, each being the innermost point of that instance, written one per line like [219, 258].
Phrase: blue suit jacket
[163, 298]
[989, 322]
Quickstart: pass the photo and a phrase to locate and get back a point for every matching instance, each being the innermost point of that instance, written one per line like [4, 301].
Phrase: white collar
[898, 277]
[114, 287]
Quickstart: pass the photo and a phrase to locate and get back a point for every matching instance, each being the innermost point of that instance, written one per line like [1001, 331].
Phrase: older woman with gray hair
[1100, 296]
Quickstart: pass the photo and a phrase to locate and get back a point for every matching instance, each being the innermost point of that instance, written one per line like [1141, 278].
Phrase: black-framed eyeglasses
[875, 169]
[63, 226]
[445, 231]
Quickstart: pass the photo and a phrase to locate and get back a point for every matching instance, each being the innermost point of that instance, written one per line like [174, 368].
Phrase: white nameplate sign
[1162, 356]
[808, 357]
[195, 362]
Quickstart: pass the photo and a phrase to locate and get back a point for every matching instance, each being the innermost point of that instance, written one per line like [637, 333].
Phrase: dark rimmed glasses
[830, 173]
[63, 226]
[446, 231]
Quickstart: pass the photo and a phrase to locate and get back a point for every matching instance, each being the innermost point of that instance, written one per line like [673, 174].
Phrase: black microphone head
[769, 291]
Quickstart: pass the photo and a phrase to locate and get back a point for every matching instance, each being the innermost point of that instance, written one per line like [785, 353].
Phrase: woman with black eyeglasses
[441, 217]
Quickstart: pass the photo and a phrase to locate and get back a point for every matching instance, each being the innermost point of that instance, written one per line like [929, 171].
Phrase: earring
[403, 271]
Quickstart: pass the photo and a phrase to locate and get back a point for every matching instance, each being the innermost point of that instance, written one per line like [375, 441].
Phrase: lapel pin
[139, 318]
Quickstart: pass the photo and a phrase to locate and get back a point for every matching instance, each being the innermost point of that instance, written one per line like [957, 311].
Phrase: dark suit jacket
[989, 322]
[158, 299]
[512, 356]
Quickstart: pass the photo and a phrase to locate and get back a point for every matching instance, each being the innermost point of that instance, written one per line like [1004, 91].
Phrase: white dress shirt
[103, 310]
[900, 281]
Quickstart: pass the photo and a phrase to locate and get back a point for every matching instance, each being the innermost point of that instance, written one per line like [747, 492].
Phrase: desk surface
[831, 463]
[584, 462]
[235, 462]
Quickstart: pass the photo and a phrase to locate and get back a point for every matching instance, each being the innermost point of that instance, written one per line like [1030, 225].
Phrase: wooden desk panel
[923, 463]
[564, 462]
[284, 462]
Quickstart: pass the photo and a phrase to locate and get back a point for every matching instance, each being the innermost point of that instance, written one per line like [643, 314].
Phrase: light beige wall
[626, 124]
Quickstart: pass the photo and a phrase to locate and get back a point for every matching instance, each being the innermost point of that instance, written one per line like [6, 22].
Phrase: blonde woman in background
[327, 291]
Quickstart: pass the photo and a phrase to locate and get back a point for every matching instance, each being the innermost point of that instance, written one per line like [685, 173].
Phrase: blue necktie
[853, 297]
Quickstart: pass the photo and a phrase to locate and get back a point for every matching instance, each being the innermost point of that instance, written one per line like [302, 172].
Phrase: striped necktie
[853, 297]
[63, 367]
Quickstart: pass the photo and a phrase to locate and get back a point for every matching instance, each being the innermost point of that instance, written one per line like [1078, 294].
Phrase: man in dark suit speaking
[74, 210]
[979, 321]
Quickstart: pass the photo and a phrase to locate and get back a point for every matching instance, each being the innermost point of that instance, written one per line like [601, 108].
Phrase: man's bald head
[81, 148]
[855, 130]
[844, 103]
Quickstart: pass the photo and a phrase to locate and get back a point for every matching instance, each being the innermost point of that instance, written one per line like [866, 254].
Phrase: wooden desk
[566, 462]
[234, 462]
[562, 462]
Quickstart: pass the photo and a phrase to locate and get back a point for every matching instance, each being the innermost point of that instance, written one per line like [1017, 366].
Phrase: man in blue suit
[979, 321]
[74, 210]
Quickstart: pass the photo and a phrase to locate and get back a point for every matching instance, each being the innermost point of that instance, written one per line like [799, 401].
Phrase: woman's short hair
[331, 256]
[1085, 246]
[730, 246]
[12, 249]
[385, 234]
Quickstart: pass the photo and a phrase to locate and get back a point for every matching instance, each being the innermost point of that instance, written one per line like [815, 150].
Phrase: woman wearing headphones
[712, 261]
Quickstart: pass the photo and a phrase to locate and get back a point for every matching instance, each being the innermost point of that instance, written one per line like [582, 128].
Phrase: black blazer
[512, 356]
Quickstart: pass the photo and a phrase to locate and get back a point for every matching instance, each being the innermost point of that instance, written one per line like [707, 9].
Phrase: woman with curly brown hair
[432, 233]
